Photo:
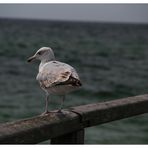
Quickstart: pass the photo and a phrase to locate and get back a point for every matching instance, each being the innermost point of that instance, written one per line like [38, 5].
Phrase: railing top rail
[41, 128]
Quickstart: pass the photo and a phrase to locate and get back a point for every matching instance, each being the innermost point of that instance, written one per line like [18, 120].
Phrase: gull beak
[31, 58]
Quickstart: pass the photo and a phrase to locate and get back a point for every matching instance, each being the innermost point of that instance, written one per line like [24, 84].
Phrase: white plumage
[53, 73]
[55, 77]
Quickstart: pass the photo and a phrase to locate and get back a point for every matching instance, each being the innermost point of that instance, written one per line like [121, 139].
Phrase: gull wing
[54, 73]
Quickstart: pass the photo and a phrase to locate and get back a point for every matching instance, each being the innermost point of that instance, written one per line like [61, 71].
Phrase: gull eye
[39, 53]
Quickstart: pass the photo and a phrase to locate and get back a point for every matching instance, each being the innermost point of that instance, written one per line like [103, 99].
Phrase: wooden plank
[76, 137]
[41, 128]
[38, 129]
[98, 113]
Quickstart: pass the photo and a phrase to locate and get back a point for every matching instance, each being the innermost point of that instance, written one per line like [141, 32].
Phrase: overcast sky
[84, 12]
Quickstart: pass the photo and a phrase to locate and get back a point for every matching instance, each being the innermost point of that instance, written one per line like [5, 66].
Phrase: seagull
[55, 77]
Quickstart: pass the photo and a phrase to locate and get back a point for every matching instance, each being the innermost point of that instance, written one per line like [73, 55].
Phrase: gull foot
[45, 113]
[59, 111]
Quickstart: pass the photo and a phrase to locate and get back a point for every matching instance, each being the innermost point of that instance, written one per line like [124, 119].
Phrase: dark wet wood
[57, 126]
[95, 114]
[38, 129]
[76, 137]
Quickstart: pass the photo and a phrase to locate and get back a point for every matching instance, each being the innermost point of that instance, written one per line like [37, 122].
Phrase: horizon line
[74, 21]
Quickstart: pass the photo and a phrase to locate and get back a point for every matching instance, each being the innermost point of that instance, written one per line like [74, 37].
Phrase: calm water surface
[112, 60]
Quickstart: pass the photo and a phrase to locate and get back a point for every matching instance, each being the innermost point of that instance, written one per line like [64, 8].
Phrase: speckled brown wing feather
[71, 81]
[55, 73]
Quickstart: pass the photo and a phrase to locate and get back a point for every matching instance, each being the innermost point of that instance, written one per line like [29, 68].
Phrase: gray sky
[84, 12]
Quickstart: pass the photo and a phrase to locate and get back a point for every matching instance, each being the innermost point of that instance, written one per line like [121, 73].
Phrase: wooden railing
[68, 128]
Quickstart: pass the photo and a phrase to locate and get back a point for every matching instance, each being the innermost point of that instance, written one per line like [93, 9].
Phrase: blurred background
[106, 43]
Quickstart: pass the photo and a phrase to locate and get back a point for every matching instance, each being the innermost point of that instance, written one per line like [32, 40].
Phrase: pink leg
[61, 107]
[46, 106]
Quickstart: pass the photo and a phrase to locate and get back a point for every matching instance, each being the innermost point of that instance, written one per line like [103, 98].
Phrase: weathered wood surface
[41, 128]
[38, 129]
[95, 114]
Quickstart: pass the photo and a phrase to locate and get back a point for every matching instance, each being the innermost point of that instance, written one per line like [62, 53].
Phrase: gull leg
[46, 105]
[61, 106]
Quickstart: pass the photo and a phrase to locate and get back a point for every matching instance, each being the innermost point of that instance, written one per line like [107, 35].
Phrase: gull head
[43, 54]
